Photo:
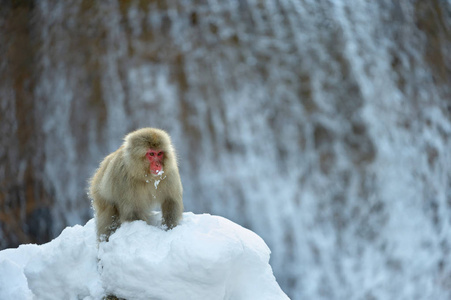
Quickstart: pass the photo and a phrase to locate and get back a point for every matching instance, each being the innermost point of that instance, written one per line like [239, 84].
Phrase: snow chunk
[205, 257]
[157, 182]
[13, 283]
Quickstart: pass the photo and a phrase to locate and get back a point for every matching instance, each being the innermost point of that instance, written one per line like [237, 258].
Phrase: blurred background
[324, 126]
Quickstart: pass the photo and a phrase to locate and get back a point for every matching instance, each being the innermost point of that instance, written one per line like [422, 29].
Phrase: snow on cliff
[205, 257]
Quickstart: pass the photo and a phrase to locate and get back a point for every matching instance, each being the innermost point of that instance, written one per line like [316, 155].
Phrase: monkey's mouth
[156, 168]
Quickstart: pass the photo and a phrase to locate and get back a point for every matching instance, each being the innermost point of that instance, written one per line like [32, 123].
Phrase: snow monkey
[131, 181]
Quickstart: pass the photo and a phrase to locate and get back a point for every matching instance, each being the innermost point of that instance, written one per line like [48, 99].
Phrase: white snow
[157, 182]
[205, 257]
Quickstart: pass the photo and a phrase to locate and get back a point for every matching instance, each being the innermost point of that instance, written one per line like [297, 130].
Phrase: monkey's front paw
[112, 297]
[169, 224]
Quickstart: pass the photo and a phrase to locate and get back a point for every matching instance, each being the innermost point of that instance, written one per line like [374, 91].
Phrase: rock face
[325, 126]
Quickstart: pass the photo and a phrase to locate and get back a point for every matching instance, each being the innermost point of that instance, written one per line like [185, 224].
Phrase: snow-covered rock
[205, 257]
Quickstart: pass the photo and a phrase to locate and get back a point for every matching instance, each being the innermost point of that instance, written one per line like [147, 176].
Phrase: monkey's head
[149, 147]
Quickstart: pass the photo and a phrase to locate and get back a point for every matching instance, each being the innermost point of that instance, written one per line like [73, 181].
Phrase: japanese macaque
[135, 179]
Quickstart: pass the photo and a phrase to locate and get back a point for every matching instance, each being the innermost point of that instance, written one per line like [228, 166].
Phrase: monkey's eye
[160, 153]
[151, 154]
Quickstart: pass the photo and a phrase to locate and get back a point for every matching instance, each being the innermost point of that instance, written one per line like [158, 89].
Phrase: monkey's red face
[155, 158]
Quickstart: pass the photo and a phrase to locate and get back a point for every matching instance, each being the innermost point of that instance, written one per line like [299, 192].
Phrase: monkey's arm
[172, 210]
[172, 205]
[107, 218]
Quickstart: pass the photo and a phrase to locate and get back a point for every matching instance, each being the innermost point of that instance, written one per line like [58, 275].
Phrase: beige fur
[123, 189]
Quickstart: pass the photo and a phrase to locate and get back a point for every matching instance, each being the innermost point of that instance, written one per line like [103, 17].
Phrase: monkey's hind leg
[107, 219]
[172, 212]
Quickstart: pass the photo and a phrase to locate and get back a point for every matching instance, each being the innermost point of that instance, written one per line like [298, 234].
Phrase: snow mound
[205, 257]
